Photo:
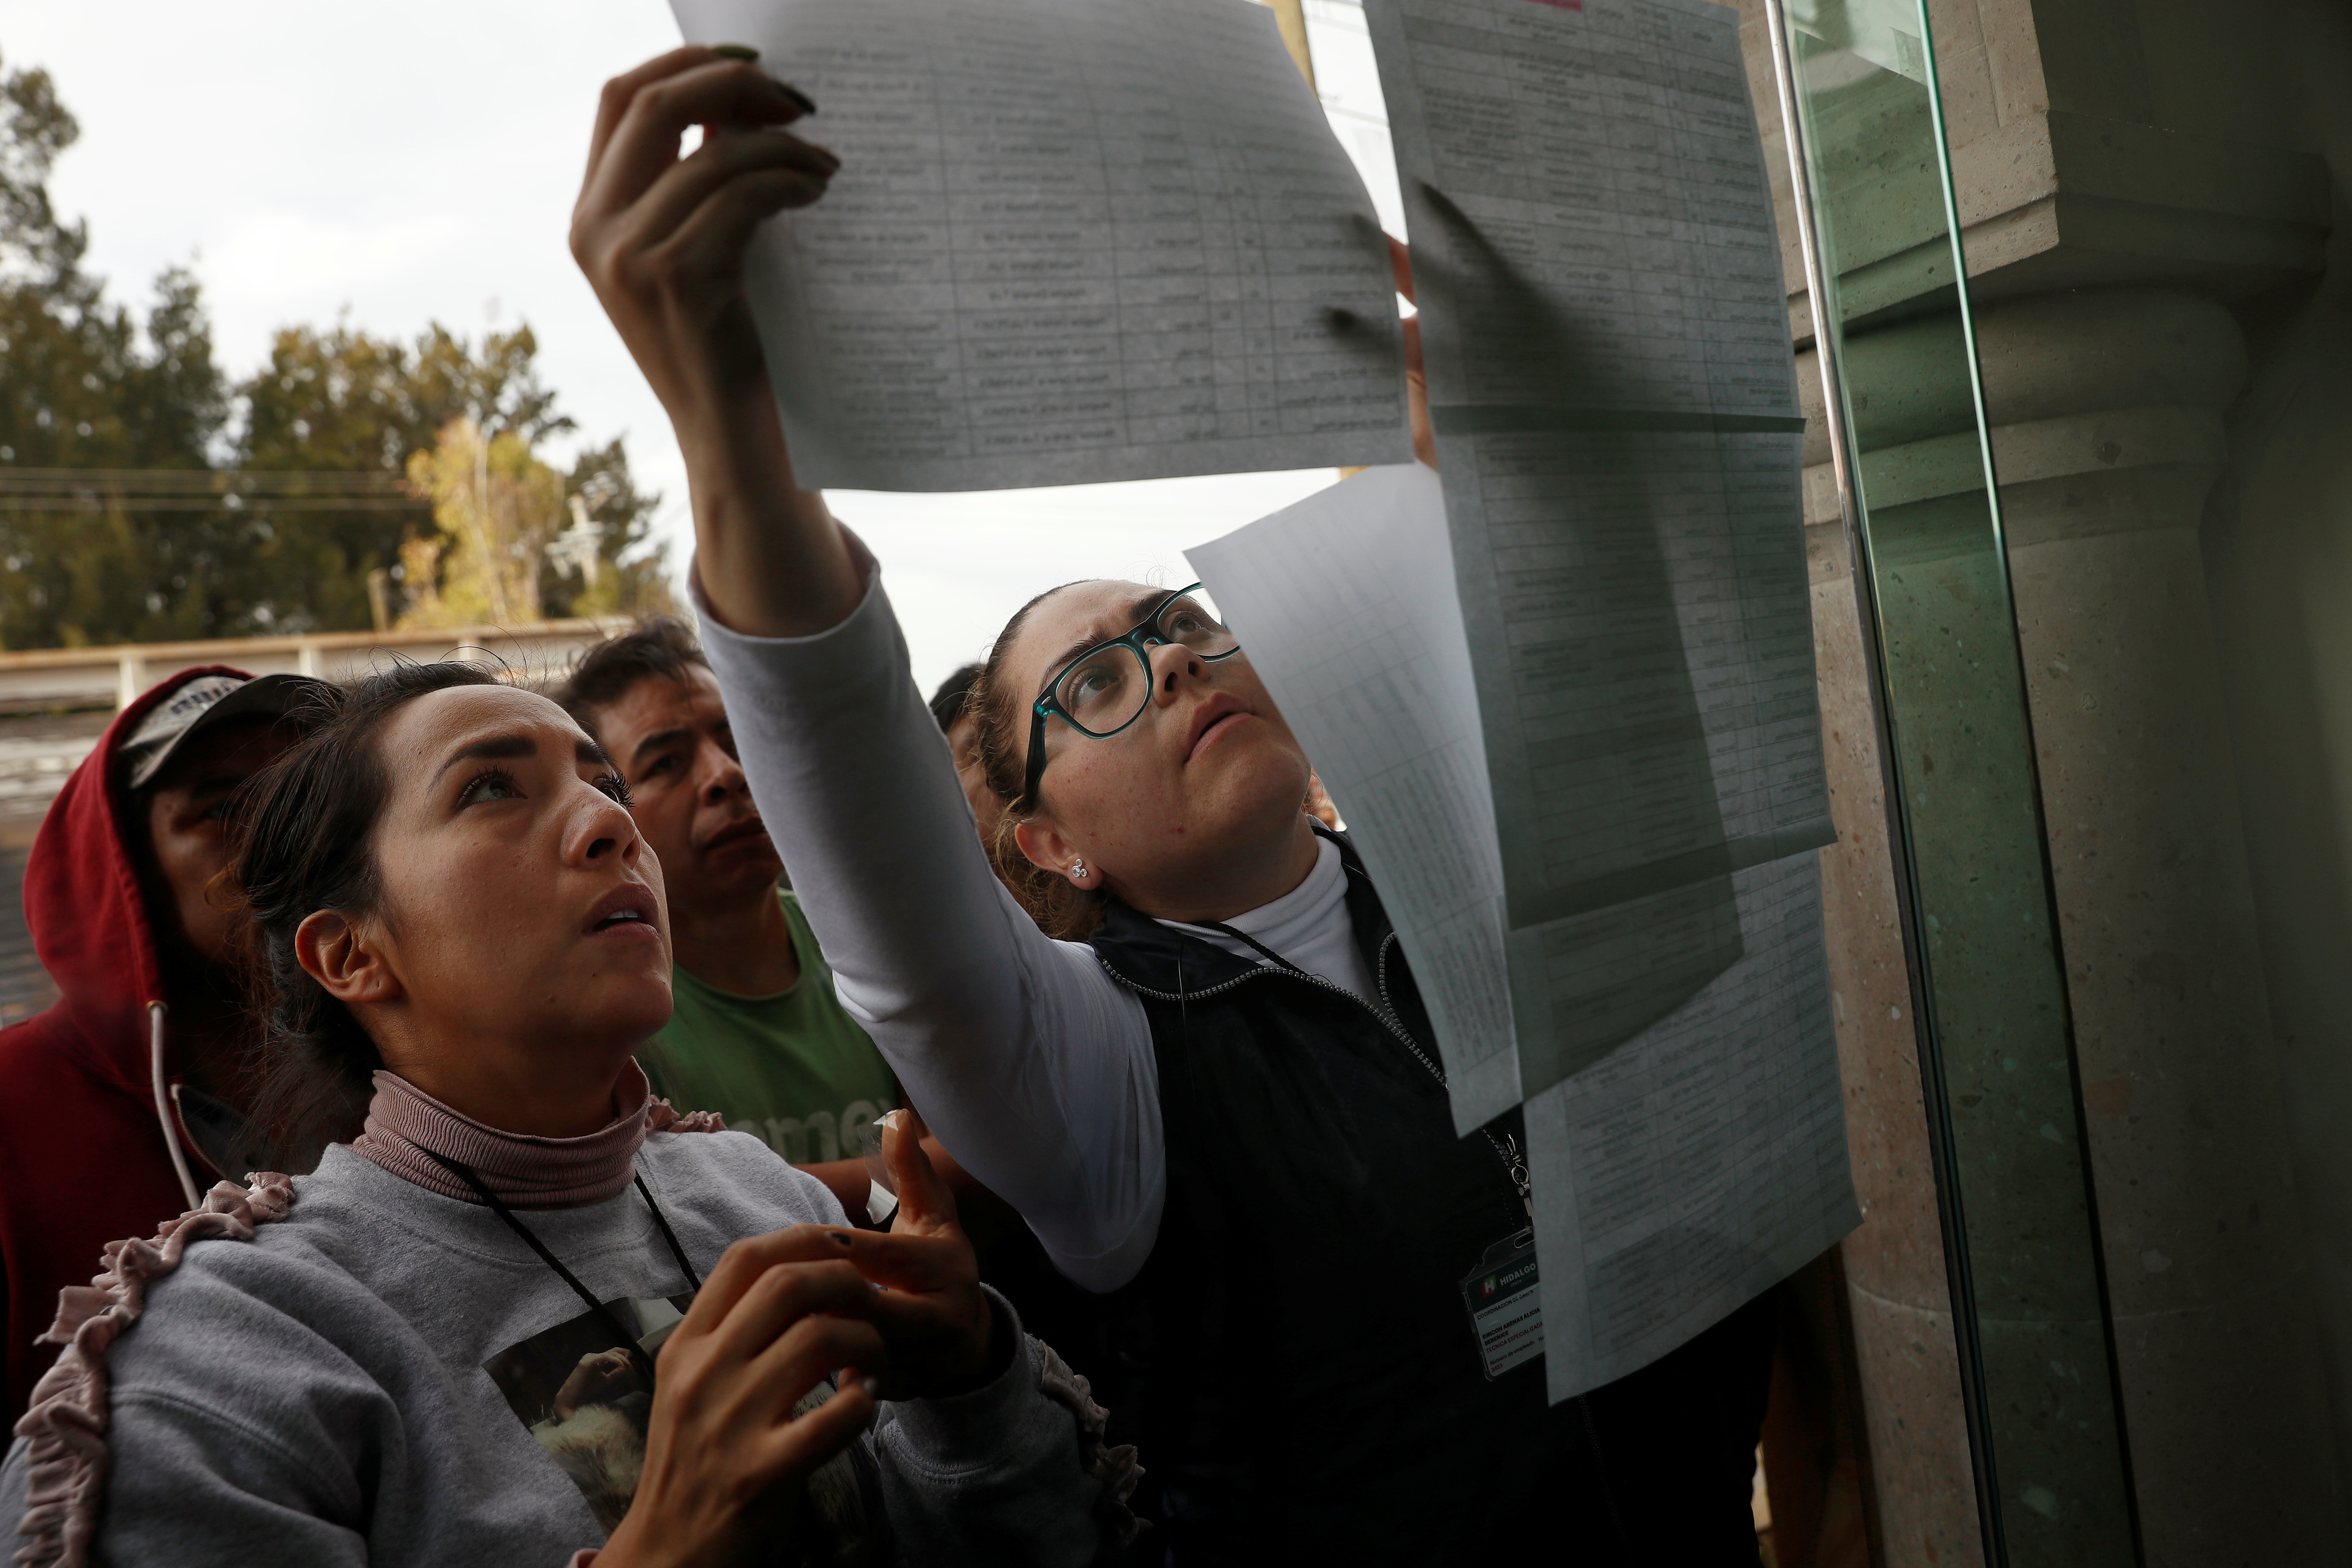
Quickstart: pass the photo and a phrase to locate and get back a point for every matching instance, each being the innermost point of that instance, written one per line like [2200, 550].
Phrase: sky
[399, 165]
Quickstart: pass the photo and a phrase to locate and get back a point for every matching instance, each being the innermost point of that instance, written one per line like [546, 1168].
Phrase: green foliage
[497, 506]
[82, 386]
[34, 129]
[86, 385]
[629, 575]
[344, 400]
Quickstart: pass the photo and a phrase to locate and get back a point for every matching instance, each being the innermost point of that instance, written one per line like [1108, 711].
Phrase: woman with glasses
[1190, 1053]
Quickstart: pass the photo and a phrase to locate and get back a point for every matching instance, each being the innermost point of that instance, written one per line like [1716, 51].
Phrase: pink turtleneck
[527, 1173]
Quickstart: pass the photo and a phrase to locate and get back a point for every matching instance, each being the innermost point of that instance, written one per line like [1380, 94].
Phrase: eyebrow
[503, 748]
[656, 740]
[1134, 613]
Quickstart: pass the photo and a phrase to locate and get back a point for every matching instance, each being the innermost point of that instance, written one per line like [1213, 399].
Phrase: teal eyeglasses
[1107, 686]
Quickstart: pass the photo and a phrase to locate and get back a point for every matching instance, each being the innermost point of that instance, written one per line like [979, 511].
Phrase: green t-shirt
[793, 1068]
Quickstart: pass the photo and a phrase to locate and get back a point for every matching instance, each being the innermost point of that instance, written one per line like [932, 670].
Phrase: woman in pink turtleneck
[521, 1310]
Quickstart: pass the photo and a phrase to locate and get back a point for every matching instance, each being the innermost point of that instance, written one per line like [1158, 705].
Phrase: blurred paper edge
[1345, 605]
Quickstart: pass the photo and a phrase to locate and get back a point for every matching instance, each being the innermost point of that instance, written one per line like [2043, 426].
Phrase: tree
[436, 411]
[622, 571]
[87, 387]
[315, 497]
[497, 507]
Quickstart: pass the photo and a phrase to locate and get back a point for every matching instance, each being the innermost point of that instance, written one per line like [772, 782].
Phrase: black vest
[1315, 1386]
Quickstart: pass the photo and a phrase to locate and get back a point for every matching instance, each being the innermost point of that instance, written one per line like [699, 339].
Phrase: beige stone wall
[2153, 196]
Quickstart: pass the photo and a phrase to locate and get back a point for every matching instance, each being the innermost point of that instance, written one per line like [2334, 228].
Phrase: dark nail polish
[735, 51]
[808, 104]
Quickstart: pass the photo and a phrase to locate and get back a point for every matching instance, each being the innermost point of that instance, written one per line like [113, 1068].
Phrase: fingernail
[735, 51]
[808, 104]
[872, 1385]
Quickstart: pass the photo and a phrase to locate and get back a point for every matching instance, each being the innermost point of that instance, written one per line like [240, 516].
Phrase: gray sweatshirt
[374, 1379]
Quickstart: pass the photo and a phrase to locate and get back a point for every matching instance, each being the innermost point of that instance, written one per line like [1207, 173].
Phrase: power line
[251, 490]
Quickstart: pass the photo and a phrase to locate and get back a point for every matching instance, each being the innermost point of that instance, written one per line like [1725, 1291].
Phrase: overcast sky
[411, 163]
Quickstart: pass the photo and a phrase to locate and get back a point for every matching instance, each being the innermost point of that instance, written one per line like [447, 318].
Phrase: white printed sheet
[1346, 606]
[1071, 241]
[1614, 400]
[1701, 1158]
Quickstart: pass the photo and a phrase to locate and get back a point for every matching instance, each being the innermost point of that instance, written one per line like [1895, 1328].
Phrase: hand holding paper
[1074, 240]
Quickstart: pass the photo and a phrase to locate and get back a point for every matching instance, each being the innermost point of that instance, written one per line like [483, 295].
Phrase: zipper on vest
[1507, 1148]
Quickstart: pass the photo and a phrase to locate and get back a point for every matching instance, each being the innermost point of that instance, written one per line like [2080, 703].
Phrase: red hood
[83, 905]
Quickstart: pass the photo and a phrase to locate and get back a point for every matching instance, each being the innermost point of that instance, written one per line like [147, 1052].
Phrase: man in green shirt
[758, 1035]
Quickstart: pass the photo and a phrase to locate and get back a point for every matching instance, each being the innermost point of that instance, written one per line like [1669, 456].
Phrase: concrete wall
[2163, 327]
[2153, 196]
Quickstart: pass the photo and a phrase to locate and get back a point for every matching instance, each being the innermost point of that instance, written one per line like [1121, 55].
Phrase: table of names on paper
[1607, 158]
[1704, 1160]
[1704, 1156]
[1069, 243]
[1651, 609]
[1610, 372]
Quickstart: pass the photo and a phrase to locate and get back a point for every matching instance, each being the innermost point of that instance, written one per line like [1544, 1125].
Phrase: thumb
[925, 1204]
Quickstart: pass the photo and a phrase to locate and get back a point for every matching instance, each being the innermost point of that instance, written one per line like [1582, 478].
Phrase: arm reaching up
[1036, 1067]
[661, 238]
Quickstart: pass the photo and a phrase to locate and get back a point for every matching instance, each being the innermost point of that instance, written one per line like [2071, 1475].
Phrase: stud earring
[1077, 871]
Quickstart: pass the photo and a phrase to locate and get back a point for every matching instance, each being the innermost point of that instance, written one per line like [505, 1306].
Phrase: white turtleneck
[1308, 925]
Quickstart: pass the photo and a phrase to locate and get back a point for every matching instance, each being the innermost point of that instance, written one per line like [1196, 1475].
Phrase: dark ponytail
[307, 827]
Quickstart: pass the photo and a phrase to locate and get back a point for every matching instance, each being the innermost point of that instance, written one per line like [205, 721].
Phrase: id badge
[1505, 1308]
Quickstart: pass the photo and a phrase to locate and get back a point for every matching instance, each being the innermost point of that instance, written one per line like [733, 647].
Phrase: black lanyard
[626, 1338]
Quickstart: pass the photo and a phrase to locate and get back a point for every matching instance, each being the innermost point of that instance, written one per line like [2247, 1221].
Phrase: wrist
[734, 436]
[990, 1352]
[626, 1547]
[770, 558]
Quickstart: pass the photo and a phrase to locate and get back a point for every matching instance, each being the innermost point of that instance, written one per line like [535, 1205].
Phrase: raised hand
[662, 240]
[725, 1457]
[661, 237]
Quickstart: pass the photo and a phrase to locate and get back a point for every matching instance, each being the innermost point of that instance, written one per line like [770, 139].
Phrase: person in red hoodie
[121, 1104]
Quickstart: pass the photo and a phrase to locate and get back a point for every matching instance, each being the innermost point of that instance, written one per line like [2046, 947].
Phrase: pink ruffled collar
[528, 1173]
[65, 1470]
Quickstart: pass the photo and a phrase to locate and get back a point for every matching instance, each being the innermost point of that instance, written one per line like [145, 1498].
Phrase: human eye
[1186, 621]
[491, 783]
[614, 785]
[1096, 691]
[1095, 680]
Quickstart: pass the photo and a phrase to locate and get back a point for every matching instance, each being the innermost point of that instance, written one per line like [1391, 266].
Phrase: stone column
[2106, 407]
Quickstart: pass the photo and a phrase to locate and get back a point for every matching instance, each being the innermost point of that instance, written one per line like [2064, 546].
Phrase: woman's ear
[1043, 842]
[345, 959]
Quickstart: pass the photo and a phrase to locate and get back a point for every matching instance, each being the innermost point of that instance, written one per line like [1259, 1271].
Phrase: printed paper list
[1070, 242]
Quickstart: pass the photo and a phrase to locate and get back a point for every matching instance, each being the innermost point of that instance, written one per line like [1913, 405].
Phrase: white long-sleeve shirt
[1026, 1058]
